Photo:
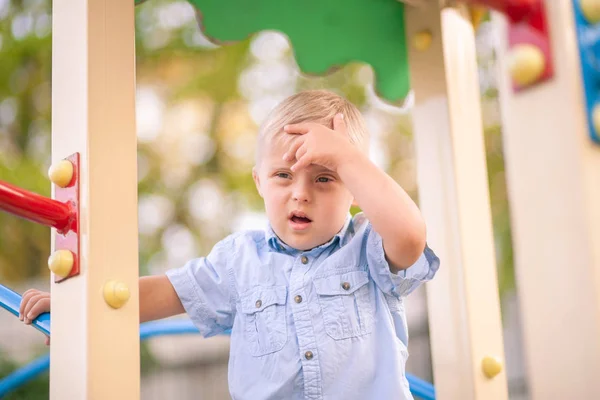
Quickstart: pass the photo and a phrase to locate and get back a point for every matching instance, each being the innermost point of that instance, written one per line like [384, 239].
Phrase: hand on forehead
[337, 124]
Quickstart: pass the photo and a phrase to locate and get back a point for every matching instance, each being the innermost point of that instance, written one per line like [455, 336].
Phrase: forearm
[158, 298]
[388, 207]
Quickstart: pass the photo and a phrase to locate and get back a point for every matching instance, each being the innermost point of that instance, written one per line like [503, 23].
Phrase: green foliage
[24, 132]
[183, 71]
[500, 209]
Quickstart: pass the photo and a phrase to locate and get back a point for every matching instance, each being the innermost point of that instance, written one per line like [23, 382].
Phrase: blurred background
[198, 109]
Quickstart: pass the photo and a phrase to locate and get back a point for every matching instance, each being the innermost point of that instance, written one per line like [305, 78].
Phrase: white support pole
[463, 299]
[553, 178]
[95, 348]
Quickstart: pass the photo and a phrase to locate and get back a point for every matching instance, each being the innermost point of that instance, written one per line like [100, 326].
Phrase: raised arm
[388, 207]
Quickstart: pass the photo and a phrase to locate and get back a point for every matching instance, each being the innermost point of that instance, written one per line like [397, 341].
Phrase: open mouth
[299, 218]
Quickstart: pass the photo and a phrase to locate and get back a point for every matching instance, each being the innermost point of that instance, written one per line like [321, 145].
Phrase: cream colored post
[464, 311]
[95, 348]
[553, 177]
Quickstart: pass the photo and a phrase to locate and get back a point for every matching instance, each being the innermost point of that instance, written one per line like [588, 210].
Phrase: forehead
[273, 155]
[277, 145]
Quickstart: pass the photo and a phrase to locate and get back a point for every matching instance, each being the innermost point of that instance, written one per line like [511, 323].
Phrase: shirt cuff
[405, 281]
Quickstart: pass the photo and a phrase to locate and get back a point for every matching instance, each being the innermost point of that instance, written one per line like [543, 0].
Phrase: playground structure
[10, 301]
[551, 124]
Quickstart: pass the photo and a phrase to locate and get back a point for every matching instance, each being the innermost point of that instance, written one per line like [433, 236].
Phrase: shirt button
[308, 355]
[304, 260]
[298, 299]
[258, 303]
[346, 286]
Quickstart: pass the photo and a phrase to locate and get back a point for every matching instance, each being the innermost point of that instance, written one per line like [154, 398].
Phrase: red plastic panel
[527, 25]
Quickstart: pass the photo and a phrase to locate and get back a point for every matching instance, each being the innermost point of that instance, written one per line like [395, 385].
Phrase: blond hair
[318, 106]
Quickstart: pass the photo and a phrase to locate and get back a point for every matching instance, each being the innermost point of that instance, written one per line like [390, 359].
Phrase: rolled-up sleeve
[405, 281]
[204, 286]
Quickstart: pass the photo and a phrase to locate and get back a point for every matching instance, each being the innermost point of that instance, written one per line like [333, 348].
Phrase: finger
[29, 306]
[41, 306]
[302, 150]
[47, 340]
[302, 161]
[289, 155]
[298, 129]
[339, 123]
[24, 300]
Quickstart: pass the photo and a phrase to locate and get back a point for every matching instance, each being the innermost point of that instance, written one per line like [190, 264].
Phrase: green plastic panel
[325, 34]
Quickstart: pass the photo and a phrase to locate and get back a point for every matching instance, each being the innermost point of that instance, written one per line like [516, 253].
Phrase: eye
[323, 179]
[283, 175]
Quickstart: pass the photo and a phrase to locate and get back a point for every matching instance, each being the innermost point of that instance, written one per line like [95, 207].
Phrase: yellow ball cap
[61, 262]
[526, 64]
[116, 294]
[491, 366]
[61, 173]
[422, 40]
[590, 10]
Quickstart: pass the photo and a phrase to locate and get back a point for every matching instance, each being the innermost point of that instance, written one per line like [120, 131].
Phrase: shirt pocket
[347, 304]
[264, 316]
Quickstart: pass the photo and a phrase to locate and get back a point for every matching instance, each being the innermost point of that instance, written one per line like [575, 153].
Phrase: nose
[301, 192]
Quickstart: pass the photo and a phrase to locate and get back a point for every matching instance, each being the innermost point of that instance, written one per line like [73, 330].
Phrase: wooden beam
[95, 348]
[464, 310]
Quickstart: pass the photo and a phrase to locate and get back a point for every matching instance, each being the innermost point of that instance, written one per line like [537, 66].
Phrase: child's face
[306, 208]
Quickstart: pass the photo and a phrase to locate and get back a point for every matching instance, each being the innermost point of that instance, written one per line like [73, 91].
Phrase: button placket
[304, 328]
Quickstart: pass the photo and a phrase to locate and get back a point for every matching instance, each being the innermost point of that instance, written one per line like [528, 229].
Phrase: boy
[314, 302]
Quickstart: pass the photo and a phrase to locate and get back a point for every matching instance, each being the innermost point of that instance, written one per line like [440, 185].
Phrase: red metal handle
[36, 208]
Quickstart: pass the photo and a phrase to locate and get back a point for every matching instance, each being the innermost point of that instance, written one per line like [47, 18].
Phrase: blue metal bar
[11, 301]
[152, 329]
[418, 387]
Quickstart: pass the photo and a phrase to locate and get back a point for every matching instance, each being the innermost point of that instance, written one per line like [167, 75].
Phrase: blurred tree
[198, 109]
[25, 51]
[199, 106]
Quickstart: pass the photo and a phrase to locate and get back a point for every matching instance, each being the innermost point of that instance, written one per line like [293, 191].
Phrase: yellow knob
[596, 118]
[61, 262]
[61, 173]
[116, 294]
[526, 64]
[491, 366]
[477, 14]
[422, 40]
[590, 10]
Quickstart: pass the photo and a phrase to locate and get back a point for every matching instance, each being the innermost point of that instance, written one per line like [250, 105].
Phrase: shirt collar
[277, 245]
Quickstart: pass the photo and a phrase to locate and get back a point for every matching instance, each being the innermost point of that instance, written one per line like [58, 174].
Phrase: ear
[256, 180]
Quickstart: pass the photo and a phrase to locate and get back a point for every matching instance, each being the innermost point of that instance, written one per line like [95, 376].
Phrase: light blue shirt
[326, 323]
